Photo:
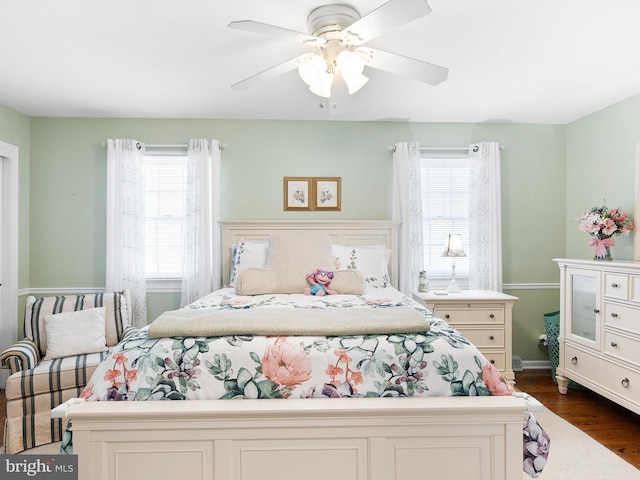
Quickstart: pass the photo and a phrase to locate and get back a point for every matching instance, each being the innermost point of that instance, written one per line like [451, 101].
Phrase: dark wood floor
[615, 427]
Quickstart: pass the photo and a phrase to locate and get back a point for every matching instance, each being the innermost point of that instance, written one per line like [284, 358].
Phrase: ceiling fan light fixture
[322, 88]
[355, 83]
[351, 65]
[313, 71]
[310, 67]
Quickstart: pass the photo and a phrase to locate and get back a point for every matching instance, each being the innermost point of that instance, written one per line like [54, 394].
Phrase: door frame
[9, 249]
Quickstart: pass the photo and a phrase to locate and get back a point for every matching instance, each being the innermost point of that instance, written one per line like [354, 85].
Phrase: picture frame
[326, 193]
[297, 193]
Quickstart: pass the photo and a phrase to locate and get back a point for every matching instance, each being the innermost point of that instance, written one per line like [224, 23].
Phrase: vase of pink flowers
[603, 224]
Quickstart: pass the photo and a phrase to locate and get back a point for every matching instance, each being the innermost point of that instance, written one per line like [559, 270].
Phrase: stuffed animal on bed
[319, 280]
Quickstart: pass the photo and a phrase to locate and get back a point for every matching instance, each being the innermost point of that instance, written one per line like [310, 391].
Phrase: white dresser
[483, 316]
[600, 328]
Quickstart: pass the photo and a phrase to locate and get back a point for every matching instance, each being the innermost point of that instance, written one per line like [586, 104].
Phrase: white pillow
[75, 333]
[372, 261]
[248, 254]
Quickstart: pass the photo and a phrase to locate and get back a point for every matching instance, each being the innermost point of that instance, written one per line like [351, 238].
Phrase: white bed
[345, 438]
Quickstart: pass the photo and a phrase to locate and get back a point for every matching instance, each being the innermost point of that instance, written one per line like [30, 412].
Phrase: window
[165, 183]
[445, 209]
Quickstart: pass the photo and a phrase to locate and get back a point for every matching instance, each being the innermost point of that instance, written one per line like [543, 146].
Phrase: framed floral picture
[326, 193]
[297, 193]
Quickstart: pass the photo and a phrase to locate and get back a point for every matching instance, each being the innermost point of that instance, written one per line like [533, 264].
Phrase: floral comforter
[436, 362]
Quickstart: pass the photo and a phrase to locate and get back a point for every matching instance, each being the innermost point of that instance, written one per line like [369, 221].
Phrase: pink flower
[286, 364]
[609, 226]
[494, 381]
[119, 357]
[603, 223]
[111, 375]
[343, 357]
[131, 375]
[334, 371]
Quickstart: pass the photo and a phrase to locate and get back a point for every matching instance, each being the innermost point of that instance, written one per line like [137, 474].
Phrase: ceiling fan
[335, 55]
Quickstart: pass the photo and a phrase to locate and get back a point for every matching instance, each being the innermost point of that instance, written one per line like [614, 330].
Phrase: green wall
[65, 178]
[601, 164]
[67, 213]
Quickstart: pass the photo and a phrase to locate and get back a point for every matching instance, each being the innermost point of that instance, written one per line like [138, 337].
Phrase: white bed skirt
[365, 438]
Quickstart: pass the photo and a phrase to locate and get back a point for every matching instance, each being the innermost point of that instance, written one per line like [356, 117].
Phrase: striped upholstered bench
[47, 372]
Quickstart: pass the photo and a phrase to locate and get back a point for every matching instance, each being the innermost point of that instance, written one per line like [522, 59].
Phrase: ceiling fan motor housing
[331, 18]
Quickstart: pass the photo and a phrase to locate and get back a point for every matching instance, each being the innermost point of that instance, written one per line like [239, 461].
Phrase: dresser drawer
[622, 347]
[634, 290]
[497, 359]
[620, 381]
[616, 285]
[460, 315]
[622, 316]
[483, 337]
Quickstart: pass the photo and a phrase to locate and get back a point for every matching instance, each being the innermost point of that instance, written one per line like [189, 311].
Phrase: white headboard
[343, 232]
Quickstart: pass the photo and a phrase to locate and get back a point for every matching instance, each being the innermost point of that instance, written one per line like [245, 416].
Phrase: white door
[8, 249]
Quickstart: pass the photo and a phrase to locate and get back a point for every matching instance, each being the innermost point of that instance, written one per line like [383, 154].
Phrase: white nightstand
[483, 316]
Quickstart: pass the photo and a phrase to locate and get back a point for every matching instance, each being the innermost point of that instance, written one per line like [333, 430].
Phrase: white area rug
[574, 455]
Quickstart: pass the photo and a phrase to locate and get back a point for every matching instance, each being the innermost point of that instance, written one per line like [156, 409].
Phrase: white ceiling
[522, 61]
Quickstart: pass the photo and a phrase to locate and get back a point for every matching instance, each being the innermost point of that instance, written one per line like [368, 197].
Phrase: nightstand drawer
[484, 337]
[497, 359]
[470, 315]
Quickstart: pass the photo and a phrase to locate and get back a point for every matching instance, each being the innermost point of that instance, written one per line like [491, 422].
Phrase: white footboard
[370, 438]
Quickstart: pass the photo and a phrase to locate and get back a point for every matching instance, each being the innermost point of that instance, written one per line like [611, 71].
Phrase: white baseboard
[536, 365]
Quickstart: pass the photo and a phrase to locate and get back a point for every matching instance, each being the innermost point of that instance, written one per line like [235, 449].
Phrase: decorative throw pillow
[248, 254]
[372, 261]
[292, 255]
[75, 333]
[116, 317]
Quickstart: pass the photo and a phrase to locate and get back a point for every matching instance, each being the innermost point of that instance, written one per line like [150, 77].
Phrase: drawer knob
[446, 316]
[491, 337]
[492, 361]
[595, 310]
[615, 285]
[574, 360]
[625, 382]
[614, 314]
[614, 344]
[491, 315]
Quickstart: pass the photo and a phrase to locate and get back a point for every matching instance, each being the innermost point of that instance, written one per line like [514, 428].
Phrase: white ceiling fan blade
[273, 30]
[268, 74]
[408, 67]
[383, 19]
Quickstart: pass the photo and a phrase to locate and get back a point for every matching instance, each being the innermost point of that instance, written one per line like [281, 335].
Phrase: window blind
[445, 209]
[165, 189]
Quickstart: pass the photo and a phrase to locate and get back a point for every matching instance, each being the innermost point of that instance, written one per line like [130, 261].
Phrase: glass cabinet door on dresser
[583, 306]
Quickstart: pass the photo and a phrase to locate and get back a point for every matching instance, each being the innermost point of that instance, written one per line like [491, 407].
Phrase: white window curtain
[485, 218]
[407, 210]
[125, 224]
[201, 258]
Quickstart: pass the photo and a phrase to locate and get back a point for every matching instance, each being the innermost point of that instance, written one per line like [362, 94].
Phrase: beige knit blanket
[288, 322]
